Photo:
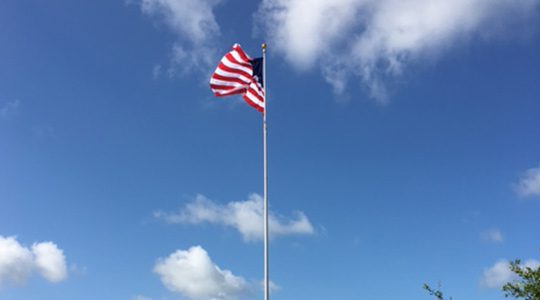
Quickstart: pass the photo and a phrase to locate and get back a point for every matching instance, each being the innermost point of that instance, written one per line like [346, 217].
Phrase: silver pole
[265, 179]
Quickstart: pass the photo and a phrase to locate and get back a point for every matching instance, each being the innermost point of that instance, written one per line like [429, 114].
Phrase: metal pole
[265, 179]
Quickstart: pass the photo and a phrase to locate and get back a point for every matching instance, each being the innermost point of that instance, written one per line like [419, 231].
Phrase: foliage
[528, 285]
[435, 292]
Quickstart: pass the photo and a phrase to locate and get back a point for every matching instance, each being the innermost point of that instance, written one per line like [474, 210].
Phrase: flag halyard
[237, 73]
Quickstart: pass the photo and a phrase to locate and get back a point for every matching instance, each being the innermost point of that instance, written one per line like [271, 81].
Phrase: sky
[402, 138]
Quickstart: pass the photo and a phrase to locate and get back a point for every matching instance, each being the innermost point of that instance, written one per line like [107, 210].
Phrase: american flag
[237, 73]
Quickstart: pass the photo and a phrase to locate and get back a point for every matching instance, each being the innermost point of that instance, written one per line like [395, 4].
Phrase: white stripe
[234, 90]
[237, 56]
[227, 92]
[254, 99]
[227, 83]
[258, 90]
[232, 75]
[234, 65]
[236, 46]
[227, 88]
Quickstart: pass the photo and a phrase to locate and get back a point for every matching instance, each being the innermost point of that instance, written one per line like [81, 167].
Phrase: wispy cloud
[192, 274]
[499, 274]
[156, 71]
[378, 39]
[44, 132]
[196, 29]
[493, 235]
[140, 297]
[529, 183]
[9, 109]
[18, 262]
[245, 216]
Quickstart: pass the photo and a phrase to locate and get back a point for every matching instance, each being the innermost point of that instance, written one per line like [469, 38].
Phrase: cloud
[493, 235]
[156, 71]
[44, 132]
[499, 274]
[378, 39]
[272, 286]
[18, 263]
[529, 183]
[139, 297]
[9, 109]
[77, 270]
[244, 216]
[50, 261]
[196, 29]
[192, 274]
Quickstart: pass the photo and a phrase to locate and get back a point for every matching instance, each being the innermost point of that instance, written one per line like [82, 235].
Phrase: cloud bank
[373, 40]
[192, 274]
[529, 183]
[499, 274]
[378, 39]
[244, 216]
[18, 263]
[195, 26]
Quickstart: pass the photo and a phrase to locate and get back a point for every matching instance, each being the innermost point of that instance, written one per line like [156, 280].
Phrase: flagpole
[265, 180]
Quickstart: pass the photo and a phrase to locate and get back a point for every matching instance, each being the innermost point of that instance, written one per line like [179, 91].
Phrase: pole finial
[263, 46]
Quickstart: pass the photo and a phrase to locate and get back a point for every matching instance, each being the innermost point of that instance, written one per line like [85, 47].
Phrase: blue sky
[403, 149]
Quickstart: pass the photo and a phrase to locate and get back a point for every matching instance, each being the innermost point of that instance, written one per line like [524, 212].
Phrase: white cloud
[192, 274]
[50, 261]
[194, 24]
[376, 39]
[499, 274]
[272, 285]
[9, 108]
[18, 263]
[529, 184]
[245, 216]
[303, 31]
[493, 235]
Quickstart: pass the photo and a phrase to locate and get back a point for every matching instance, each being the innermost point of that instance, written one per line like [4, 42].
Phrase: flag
[237, 73]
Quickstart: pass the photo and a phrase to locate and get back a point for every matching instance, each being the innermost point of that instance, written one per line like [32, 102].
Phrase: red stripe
[229, 79]
[222, 87]
[240, 51]
[231, 70]
[250, 90]
[234, 92]
[259, 88]
[236, 76]
[253, 104]
[220, 92]
[231, 58]
[256, 87]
